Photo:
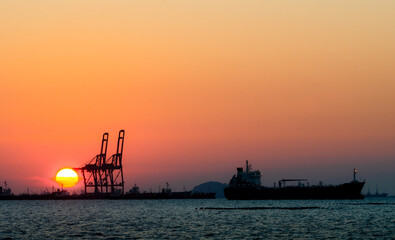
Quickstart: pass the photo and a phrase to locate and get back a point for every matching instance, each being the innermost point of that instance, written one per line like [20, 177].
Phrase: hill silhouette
[211, 186]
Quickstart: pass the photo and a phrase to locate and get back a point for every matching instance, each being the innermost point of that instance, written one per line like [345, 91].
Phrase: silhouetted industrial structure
[105, 176]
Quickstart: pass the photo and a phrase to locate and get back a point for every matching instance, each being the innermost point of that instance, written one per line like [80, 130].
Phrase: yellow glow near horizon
[67, 177]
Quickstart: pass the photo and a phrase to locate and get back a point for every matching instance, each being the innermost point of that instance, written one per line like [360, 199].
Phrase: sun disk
[67, 177]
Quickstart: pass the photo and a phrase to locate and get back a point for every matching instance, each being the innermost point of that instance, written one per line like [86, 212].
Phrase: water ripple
[197, 219]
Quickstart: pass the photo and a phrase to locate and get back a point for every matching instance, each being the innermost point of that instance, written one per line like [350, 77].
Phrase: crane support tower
[105, 176]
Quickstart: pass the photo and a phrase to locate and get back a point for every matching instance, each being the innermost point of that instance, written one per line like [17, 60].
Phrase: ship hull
[350, 190]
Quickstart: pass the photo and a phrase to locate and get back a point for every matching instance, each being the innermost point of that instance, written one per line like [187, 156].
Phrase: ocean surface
[198, 219]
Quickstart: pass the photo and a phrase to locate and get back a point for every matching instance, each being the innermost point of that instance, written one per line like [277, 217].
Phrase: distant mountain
[207, 187]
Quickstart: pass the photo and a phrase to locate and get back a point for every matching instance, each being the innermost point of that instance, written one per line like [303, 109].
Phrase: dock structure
[102, 175]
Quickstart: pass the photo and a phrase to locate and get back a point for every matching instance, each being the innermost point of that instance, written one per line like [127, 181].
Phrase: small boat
[377, 194]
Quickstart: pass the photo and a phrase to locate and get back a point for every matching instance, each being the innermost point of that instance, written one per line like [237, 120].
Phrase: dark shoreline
[110, 197]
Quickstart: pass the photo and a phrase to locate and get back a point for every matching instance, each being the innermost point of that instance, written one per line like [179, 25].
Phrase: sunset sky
[299, 88]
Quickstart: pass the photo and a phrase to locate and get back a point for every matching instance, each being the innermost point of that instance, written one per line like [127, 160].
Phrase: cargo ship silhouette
[246, 185]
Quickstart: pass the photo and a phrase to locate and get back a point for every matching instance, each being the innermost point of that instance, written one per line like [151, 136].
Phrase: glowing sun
[66, 177]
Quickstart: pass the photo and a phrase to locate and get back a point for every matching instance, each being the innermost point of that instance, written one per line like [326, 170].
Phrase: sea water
[198, 219]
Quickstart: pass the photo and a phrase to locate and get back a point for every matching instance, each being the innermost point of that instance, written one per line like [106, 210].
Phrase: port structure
[105, 176]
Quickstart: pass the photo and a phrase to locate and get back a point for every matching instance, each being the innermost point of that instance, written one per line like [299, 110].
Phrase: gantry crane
[105, 176]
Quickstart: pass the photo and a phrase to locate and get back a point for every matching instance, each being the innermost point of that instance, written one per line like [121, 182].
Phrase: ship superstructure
[246, 178]
[5, 191]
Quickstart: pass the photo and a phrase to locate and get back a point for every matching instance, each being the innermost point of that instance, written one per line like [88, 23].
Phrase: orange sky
[297, 87]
